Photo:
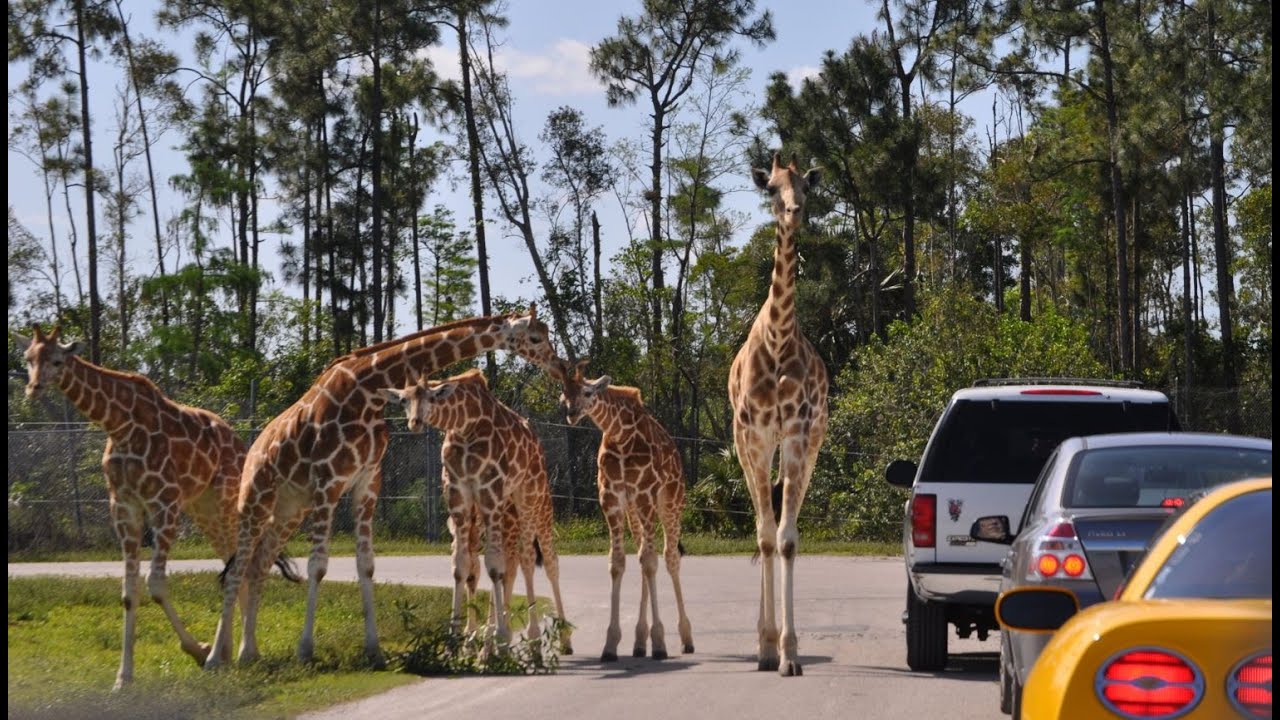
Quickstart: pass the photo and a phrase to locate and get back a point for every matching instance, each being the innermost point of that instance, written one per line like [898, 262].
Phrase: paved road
[851, 646]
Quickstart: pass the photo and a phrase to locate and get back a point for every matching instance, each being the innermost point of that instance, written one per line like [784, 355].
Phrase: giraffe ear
[442, 390]
[760, 177]
[813, 177]
[600, 383]
[533, 311]
[395, 395]
[71, 348]
[22, 342]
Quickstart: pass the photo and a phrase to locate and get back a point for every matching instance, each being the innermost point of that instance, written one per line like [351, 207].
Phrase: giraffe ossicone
[778, 393]
[495, 482]
[641, 482]
[162, 459]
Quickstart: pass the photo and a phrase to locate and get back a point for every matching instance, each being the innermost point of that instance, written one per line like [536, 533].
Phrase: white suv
[982, 459]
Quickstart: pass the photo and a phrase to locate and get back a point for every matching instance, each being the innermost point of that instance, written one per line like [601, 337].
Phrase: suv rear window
[1008, 441]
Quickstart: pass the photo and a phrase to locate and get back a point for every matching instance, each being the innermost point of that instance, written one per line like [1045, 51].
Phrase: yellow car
[1187, 636]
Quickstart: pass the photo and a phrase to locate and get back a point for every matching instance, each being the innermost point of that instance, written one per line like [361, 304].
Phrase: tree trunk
[90, 193]
[597, 331]
[1223, 258]
[1188, 322]
[1117, 191]
[477, 195]
[375, 120]
[655, 217]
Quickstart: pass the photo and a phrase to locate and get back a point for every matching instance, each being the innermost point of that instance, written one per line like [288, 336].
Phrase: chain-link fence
[58, 495]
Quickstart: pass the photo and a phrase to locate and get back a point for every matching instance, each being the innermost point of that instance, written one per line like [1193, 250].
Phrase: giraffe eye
[773, 189]
[57, 363]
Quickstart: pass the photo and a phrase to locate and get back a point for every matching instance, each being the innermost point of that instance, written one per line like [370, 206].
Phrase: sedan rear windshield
[1226, 555]
[1157, 475]
[1009, 441]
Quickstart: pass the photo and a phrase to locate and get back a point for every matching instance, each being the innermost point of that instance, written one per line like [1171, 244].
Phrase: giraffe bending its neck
[641, 480]
[778, 390]
[161, 459]
[330, 442]
[495, 480]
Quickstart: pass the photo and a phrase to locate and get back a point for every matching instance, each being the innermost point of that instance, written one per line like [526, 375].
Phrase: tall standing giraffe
[641, 480]
[330, 442]
[778, 390]
[161, 459]
[495, 480]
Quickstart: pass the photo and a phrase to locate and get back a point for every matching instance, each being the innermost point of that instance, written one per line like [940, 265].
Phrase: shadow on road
[979, 666]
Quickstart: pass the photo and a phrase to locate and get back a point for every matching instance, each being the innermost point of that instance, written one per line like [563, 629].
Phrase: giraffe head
[45, 358]
[442, 403]
[787, 188]
[579, 393]
[531, 338]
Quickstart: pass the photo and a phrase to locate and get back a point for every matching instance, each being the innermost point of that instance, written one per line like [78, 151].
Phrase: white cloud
[558, 71]
[797, 75]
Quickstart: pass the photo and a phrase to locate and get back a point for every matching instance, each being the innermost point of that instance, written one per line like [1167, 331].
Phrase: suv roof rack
[990, 382]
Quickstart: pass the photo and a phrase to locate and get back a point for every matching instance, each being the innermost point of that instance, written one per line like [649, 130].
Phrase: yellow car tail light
[1249, 686]
[1149, 683]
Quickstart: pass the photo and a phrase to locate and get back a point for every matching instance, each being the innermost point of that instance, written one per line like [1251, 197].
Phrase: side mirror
[901, 473]
[992, 528]
[1036, 609]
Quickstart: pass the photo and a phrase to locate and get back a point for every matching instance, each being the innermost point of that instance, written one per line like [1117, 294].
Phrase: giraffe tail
[680, 547]
[775, 499]
[537, 553]
[283, 562]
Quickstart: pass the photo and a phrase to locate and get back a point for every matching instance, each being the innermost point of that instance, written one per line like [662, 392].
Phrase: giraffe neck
[613, 413]
[105, 397]
[389, 364]
[464, 410]
[780, 308]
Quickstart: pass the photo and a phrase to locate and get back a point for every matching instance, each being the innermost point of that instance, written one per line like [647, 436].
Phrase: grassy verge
[577, 537]
[65, 635]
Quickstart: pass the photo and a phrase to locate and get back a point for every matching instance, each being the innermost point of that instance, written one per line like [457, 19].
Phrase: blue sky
[546, 56]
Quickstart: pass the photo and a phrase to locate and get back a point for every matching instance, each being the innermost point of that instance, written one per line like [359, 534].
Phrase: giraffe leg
[671, 552]
[264, 556]
[795, 476]
[364, 502]
[523, 549]
[642, 619]
[128, 526]
[157, 583]
[613, 515]
[756, 460]
[551, 564]
[257, 506]
[643, 517]
[496, 565]
[317, 567]
[465, 531]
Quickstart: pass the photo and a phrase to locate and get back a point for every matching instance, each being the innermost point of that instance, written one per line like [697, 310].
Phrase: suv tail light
[1059, 555]
[1249, 686]
[1059, 391]
[924, 520]
[1149, 683]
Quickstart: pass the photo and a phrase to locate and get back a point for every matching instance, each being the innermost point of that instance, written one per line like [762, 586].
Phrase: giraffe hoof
[790, 668]
[767, 664]
[687, 649]
[638, 652]
[607, 656]
[202, 653]
[659, 654]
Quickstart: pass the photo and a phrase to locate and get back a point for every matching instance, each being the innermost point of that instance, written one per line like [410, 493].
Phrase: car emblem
[953, 508]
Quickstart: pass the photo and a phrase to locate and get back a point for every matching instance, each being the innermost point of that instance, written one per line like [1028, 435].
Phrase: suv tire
[926, 634]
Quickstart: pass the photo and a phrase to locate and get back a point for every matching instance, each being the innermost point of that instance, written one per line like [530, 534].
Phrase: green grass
[575, 537]
[65, 635]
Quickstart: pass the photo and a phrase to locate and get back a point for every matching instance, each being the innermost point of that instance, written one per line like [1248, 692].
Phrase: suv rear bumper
[959, 583]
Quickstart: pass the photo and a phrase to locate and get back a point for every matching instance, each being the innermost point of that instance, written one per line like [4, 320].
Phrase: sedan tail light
[924, 521]
[1249, 686]
[1149, 683]
[1059, 555]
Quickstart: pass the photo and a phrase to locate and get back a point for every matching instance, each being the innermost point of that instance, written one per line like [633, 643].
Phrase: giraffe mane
[474, 375]
[626, 392]
[371, 349]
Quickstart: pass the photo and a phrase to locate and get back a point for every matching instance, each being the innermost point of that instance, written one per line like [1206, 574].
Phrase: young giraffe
[330, 442]
[778, 390]
[641, 479]
[161, 459]
[495, 480]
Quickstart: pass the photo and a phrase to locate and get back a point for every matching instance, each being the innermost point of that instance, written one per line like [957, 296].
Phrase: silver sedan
[1097, 503]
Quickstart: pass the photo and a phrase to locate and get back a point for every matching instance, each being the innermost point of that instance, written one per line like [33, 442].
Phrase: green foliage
[442, 649]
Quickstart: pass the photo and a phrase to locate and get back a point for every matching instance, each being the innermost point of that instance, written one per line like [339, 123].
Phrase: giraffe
[641, 479]
[778, 391]
[494, 480]
[161, 459]
[331, 442]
